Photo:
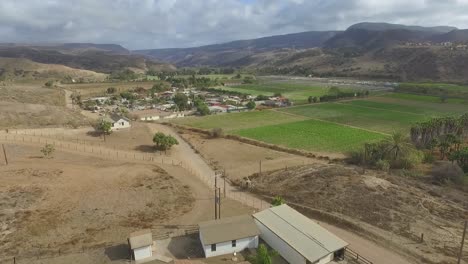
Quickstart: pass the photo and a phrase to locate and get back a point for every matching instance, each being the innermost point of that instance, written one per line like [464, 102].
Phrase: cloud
[183, 23]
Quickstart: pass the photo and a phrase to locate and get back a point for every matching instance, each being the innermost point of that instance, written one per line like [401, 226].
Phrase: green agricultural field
[434, 89]
[425, 98]
[411, 107]
[374, 119]
[312, 135]
[236, 121]
[298, 93]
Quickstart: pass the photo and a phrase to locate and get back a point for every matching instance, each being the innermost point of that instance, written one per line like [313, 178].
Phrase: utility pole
[219, 203]
[4, 154]
[462, 243]
[216, 197]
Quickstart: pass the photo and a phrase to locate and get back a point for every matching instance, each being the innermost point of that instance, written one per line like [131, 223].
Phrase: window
[213, 247]
[234, 243]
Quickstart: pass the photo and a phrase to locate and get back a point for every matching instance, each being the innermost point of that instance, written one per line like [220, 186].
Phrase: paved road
[366, 248]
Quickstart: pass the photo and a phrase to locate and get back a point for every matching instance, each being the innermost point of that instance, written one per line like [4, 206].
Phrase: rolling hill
[103, 58]
[224, 54]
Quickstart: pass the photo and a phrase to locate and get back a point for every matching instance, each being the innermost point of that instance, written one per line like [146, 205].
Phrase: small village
[143, 105]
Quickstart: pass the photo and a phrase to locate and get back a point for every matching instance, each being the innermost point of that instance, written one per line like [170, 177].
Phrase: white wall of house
[329, 258]
[122, 123]
[149, 118]
[225, 248]
[286, 251]
[142, 253]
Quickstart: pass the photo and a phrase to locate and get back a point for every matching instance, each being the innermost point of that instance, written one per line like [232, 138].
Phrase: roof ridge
[307, 235]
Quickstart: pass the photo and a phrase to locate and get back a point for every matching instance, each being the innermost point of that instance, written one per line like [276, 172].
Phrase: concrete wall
[225, 248]
[142, 253]
[287, 252]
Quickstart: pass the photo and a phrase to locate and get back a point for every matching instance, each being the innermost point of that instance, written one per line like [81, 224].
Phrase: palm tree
[397, 145]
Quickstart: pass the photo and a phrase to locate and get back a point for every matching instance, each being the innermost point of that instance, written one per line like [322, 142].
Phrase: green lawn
[381, 120]
[312, 135]
[236, 121]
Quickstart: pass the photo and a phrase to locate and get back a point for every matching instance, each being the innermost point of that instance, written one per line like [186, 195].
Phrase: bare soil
[241, 160]
[395, 207]
[72, 201]
[32, 105]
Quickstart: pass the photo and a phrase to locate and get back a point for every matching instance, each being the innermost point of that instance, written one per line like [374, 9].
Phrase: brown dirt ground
[72, 201]
[95, 89]
[397, 207]
[239, 159]
[31, 105]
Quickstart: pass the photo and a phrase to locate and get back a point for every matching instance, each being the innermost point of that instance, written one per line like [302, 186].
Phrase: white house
[298, 239]
[118, 122]
[228, 235]
[140, 243]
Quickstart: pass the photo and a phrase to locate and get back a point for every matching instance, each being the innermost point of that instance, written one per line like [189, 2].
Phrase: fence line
[355, 256]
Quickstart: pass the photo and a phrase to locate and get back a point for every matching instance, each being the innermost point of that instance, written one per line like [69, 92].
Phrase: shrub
[48, 150]
[216, 133]
[382, 165]
[428, 158]
[445, 172]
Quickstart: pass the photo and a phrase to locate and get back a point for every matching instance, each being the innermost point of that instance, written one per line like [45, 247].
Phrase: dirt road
[366, 248]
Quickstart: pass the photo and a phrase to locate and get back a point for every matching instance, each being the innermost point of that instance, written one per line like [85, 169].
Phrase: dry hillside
[395, 208]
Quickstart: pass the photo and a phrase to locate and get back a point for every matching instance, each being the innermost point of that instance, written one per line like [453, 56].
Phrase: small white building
[228, 235]
[296, 238]
[140, 244]
[118, 122]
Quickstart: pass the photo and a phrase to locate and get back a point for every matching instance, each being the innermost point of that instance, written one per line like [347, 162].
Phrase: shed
[140, 244]
[228, 235]
[297, 238]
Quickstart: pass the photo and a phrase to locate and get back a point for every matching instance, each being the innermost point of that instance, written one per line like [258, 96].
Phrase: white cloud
[183, 23]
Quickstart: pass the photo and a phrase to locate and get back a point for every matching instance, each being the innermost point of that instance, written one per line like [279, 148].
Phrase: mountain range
[371, 50]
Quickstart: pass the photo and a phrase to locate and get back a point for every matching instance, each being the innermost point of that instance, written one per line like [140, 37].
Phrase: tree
[263, 256]
[202, 108]
[160, 87]
[111, 90]
[310, 99]
[277, 201]
[48, 150]
[251, 105]
[163, 141]
[315, 99]
[181, 101]
[461, 157]
[398, 145]
[104, 127]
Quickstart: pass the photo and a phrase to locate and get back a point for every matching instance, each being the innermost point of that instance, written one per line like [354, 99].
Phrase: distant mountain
[105, 58]
[223, 54]
[386, 26]
[452, 36]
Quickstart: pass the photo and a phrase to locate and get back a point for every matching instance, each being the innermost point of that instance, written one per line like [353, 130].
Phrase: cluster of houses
[296, 238]
[145, 109]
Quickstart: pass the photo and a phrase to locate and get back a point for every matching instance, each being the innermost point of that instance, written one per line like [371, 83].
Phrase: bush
[216, 133]
[428, 158]
[445, 172]
[382, 165]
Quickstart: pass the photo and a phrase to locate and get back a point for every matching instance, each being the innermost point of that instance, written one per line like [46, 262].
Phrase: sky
[144, 24]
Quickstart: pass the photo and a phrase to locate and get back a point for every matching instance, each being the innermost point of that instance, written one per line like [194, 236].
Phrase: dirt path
[68, 99]
[367, 248]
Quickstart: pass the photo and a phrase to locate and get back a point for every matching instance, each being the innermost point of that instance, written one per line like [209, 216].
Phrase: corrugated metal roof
[142, 238]
[228, 229]
[304, 235]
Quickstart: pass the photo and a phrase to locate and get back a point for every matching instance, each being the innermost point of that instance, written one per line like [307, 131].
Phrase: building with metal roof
[297, 238]
[228, 235]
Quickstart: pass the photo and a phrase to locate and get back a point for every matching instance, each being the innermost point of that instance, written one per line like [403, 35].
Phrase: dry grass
[403, 207]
